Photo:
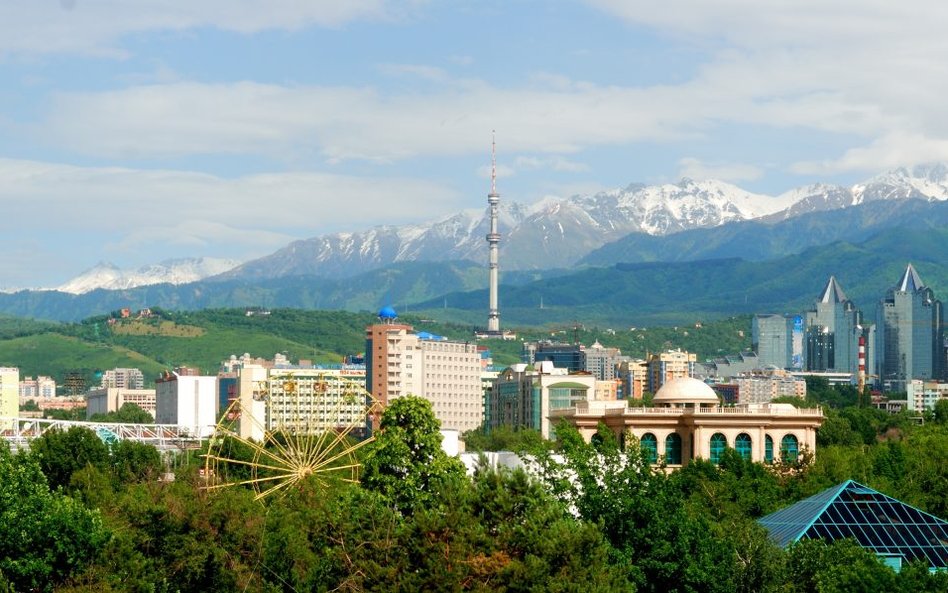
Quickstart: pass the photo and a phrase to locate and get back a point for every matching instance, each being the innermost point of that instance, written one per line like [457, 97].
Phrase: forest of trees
[78, 515]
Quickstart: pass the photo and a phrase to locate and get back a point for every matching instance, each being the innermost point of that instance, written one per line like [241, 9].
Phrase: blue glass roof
[878, 522]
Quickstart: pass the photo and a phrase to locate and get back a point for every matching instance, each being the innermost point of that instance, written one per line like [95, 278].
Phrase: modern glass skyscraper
[833, 327]
[911, 333]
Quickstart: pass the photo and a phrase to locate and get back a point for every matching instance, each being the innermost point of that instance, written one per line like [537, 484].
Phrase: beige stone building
[9, 395]
[447, 373]
[111, 399]
[688, 422]
[665, 366]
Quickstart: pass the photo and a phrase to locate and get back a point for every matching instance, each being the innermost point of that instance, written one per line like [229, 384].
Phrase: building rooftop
[887, 526]
[686, 390]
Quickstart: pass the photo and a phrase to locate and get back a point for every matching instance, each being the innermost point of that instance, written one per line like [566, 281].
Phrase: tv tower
[493, 239]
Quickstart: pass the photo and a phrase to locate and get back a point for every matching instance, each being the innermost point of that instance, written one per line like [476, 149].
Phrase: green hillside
[203, 339]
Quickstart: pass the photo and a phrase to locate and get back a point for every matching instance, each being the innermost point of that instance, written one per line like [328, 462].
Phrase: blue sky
[134, 132]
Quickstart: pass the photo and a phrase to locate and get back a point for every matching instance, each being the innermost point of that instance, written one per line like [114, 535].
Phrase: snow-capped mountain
[551, 233]
[174, 271]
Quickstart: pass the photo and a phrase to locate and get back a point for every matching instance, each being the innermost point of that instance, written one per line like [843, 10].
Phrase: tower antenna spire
[493, 161]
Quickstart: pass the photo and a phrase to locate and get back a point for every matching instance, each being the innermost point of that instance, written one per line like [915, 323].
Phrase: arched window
[743, 445]
[789, 448]
[649, 444]
[768, 449]
[673, 449]
[718, 445]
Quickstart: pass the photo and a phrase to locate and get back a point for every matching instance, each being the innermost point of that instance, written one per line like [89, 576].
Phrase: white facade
[111, 399]
[40, 387]
[761, 388]
[123, 378]
[189, 401]
[9, 394]
[923, 395]
[310, 400]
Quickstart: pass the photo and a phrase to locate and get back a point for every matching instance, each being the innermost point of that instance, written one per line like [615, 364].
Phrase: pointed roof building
[833, 293]
[910, 281]
[889, 527]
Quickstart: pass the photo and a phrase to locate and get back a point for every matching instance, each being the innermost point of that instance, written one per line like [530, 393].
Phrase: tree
[406, 462]
[129, 413]
[61, 453]
[941, 411]
[45, 537]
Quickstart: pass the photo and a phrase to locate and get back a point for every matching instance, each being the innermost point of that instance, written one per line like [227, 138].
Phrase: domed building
[687, 421]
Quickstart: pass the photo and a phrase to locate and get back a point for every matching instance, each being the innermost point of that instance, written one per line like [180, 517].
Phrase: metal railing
[165, 437]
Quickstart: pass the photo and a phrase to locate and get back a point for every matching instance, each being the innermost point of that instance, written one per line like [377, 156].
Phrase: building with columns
[688, 422]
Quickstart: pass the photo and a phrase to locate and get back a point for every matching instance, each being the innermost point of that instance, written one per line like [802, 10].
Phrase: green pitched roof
[887, 526]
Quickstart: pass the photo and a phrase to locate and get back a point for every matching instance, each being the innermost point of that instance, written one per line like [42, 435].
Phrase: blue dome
[387, 312]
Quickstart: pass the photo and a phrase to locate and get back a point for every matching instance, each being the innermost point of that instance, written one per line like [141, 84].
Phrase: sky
[135, 132]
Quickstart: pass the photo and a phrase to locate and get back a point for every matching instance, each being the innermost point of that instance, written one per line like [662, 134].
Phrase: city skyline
[228, 130]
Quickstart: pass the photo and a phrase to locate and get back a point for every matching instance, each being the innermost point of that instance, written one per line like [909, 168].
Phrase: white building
[123, 378]
[40, 387]
[9, 394]
[189, 401]
[763, 386]
[923, 395]
[309, 400]
[111, 399]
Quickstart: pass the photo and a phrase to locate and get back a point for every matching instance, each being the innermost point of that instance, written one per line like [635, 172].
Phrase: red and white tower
[493, 240]
[861, 377]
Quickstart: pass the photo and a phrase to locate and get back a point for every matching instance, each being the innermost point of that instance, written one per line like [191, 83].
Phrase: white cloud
[135, 216]
[696, 169]
[864, 68]
[95, 26]
[555, 163]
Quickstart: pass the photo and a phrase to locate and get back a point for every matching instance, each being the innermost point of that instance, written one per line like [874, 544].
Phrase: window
[743, 445]
[718, 445]
[789, 448]
[768, 449]
[673, 449]
[649, 445]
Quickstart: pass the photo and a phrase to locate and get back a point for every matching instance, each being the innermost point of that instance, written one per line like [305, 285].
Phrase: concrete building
[187, 400]
[9, 395]
[602, 362]
[111, 399]
[688, 422]
[665, 366]
[524, 396]
[447, 373]
[910, 334]
[634, 377]
[763, 386]
[303, 397]
[728, 367]
[40, 387]
[123, 379]
[923, 395]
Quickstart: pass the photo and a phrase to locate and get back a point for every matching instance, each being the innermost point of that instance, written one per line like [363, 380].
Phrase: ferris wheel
[289, 429]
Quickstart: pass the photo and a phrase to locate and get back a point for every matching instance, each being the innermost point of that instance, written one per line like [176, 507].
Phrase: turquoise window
[718, 445]
[673, 449]
[789, 448]
[768, 449]
[743, 445]
[649, 445]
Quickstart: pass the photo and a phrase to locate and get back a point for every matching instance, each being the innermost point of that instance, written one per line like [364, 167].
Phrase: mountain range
[545, 249]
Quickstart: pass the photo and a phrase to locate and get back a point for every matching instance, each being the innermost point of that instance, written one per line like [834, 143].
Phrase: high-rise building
[833, 327]
[563, 356]
[123, 379]
[910, 333]
[40, 387]
[602, 362]
[9, 395]
[188, 400]
[447, 373]
[778, 340]
[672, 364]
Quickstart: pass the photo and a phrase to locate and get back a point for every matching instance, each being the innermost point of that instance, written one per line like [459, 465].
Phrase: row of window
[789, 447]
